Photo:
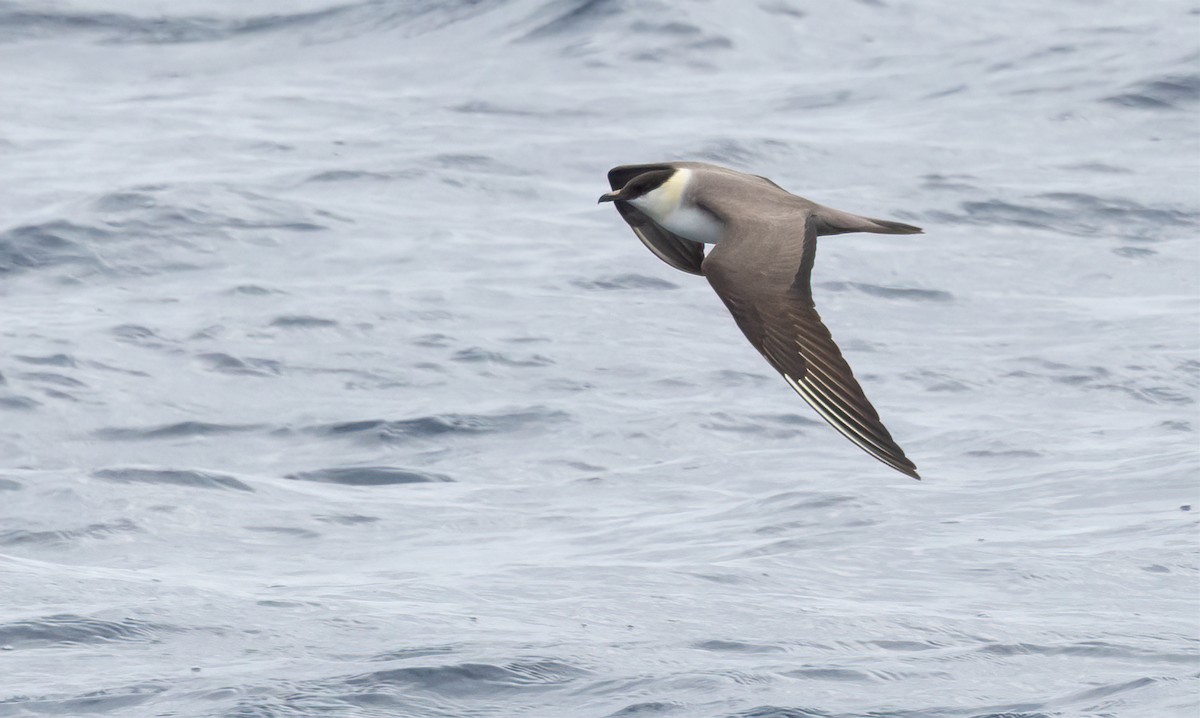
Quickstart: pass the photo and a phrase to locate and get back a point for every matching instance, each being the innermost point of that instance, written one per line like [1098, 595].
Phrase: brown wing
[766, 286]
[676, 251]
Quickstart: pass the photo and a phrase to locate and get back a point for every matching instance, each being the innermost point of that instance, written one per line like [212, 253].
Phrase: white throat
[670, 206]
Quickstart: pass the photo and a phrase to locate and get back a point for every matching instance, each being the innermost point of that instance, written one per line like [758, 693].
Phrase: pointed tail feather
[833, 221]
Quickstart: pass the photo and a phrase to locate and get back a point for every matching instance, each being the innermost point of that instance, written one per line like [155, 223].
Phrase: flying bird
[764, 242]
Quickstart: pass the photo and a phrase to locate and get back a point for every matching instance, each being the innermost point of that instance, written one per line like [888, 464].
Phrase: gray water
[328, 389]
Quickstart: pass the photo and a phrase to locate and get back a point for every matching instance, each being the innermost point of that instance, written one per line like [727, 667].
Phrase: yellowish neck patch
[666, 198]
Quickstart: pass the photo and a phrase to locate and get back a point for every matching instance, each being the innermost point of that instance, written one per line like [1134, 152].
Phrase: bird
[763, 243]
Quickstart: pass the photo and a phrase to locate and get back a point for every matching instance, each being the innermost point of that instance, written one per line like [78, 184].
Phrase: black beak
[609, 196]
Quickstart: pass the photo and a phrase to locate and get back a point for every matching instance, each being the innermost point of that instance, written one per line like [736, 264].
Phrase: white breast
[670, 206]
[691, 222]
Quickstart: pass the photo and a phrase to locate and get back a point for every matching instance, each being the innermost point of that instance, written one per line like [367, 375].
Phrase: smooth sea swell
[327, 389]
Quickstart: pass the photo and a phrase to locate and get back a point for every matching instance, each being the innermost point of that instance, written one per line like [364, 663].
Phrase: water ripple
[368, 476]
[174, 477]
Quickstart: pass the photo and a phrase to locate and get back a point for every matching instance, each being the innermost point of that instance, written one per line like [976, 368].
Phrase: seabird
[764, 242]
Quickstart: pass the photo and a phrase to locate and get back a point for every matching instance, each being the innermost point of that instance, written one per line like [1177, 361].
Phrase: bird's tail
[833, 221]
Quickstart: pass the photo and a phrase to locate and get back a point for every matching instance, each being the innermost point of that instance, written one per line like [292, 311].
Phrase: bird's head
[657, 192]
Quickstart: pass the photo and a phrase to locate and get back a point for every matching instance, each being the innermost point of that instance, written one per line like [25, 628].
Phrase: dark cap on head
[639, 185]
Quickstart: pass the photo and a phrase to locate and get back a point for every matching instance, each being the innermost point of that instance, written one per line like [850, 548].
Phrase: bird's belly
[694, 224]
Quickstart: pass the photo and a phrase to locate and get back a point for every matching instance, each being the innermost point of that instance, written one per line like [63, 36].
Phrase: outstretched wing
[765, 283]
[682, 254]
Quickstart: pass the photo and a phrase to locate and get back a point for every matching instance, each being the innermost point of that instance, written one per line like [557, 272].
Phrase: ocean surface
[327, 389]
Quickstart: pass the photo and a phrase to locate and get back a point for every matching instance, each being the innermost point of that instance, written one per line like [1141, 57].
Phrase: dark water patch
[470, 679]
[1067, 375]
[156, 228]
[755, 426]
[573, 16]
[726, 579]
[1171, 92]
[952, 90]
[1112, 689]
[53, 378]
[346, 519]
[790, 501]
[951, 182]
[297, 321]
[999, 212]
[1004, 454]
[61, 360]
[215, 331]
[1122, 210]
[906, 646]
[56, 394]
[1093, 649]
[817, 100]
[488, 108]
[1077, 214]
[469, 162]
[1099, 167]
[1134, 252]
[715, 42]
[730, 377]
[737, 647]
[433, 340]
[779, 7]
[739, 152]
[478, 355]
[124, 202]
[779, 712]
[104, 701]
[678, 29]
[347, 176]
[10, 485]
[1151, 394]
[250, 366]
[368, 476]
[274, 603]
[175, 477]
[68, 628]
[624, 282]
[285, 531]
[254, 290]
[828, 674]
[120, 28]
[1128, 382]
[427, 427]
[52, 244]
[141, 336]
[402, 654]
[936, 381]
[181, 430]
[148, 231]
[910, 294]
[794, 420]
[24, 537]
[18, 403]
[650, 708]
